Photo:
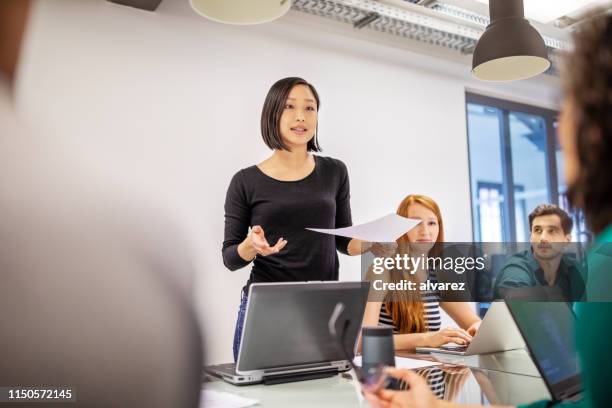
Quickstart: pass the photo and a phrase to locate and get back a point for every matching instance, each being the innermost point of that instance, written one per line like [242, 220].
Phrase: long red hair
[406, 308]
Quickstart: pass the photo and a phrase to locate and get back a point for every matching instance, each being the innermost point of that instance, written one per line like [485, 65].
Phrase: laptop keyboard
[454, 348]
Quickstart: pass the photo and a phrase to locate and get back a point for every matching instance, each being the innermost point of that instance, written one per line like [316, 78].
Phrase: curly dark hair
[588, 83]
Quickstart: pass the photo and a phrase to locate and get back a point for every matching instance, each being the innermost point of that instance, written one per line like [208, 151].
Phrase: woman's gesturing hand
[261, 245]
[256, 243]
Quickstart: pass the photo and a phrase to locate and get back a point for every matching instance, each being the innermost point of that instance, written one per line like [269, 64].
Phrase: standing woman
[278, 198]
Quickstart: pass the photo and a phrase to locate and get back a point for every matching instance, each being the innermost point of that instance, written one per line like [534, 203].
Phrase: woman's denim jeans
[239, 324]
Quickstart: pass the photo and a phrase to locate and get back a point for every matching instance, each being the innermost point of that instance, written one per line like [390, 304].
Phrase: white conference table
[501, 378]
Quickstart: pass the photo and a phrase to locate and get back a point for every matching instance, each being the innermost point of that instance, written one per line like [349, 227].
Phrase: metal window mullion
[551, 167]
[507, 175]
[476, 236]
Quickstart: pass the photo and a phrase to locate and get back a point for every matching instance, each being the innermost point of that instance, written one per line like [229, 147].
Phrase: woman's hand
[455, 369]
[261, 245]
[419, 394]
[447, 335]
[256, 243]
[378, 249]
[474, 328]
[383, 249]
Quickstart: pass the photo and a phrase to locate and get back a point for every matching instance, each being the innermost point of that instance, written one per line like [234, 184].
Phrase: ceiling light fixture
[510, 49]
[241, 12]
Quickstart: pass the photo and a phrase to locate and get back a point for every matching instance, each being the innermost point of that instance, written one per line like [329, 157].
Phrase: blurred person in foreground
[585, 132]
[93, 294]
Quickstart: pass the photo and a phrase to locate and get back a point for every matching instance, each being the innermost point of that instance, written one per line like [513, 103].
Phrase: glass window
[486, 175]
[515, 165]
[529, 168]
[579, 232]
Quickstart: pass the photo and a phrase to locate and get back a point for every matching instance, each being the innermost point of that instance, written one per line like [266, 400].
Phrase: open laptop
[497, 333]
[548, 330]
[286, 335]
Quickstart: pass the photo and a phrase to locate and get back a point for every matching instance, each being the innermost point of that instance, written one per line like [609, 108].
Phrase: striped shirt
[431, 306]
[435, 379]
[442, 384]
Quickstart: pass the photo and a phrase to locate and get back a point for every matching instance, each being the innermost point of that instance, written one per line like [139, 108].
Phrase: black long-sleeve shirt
[284, 209]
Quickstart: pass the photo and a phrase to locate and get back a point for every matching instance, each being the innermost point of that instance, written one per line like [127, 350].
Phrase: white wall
[168, 103]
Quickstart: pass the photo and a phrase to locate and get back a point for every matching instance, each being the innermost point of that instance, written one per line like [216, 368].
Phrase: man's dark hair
[551, 209]
[588, 83]
[273, 109]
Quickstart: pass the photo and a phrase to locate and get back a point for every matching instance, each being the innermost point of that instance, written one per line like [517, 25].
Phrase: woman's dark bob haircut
[273, 109]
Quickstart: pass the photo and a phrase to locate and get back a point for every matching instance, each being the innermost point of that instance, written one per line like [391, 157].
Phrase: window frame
[504, 108]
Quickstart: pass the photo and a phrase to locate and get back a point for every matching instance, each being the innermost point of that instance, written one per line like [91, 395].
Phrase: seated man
[544, 265]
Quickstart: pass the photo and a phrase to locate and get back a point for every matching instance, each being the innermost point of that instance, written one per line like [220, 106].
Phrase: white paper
[385, 229]
[217, 399]
[404, 362]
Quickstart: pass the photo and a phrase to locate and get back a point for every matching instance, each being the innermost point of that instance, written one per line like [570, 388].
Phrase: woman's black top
[284, 209]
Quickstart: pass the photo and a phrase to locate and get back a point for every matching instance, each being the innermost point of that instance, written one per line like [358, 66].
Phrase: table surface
[501, 378]
[512, 361]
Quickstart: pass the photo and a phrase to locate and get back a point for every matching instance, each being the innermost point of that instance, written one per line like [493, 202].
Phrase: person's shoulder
[521, 257]
[541, 404]
[330, 161]
[248, 171]
[571, 262]
[243, 175]
[331, 164]
[516, 271]
[520, 260]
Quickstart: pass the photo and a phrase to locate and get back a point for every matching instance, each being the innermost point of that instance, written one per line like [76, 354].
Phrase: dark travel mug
[377, 348]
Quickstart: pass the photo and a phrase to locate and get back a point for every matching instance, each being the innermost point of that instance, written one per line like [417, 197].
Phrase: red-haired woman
[414, 315]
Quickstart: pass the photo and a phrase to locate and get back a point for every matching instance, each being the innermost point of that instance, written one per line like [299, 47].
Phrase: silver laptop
[286, 336]
[496, 333]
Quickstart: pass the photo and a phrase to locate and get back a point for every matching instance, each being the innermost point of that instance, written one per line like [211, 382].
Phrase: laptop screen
[548, 330]
[286, 324]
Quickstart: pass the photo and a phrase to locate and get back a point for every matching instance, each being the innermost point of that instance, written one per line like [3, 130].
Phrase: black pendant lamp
[510, 48]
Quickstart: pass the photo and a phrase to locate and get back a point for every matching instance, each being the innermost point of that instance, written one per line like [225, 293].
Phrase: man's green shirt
[523, 270]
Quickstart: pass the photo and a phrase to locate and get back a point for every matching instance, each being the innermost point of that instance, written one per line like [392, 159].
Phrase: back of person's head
[94, 284]
[91, 300]
[588, 93]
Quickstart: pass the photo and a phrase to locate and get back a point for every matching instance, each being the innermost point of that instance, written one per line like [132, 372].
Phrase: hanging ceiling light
[243, 12]
[510, 48]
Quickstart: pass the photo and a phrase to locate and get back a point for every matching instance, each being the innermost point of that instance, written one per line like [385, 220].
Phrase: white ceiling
[541, 11]
[543, 14]
[547, 11]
